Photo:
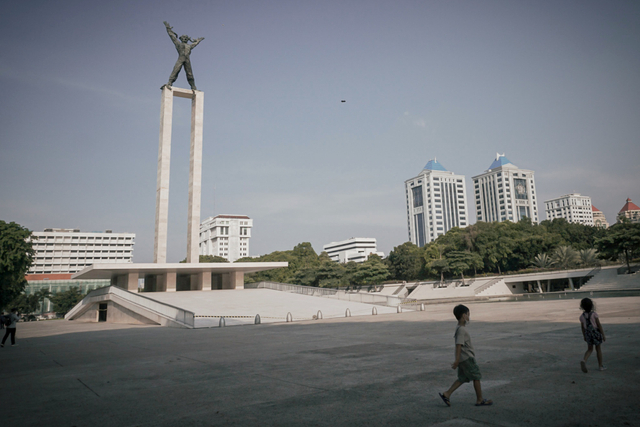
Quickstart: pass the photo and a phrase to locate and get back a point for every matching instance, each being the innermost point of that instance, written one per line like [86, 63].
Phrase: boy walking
[465, 360]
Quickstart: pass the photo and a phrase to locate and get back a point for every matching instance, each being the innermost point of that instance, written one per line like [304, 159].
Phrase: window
[417, 197]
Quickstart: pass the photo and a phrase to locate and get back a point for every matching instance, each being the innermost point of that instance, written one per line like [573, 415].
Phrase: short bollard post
[421, 307]
[347, 313]
[399, 309]
[319, 315]
[222, 323]
[289, 317]
[257, 320]
[374, 311]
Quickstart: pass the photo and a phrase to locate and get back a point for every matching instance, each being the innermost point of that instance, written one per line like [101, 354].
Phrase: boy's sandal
[485, 402]
[445, 399]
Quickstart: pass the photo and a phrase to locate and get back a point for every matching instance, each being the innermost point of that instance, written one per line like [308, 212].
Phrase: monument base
[176, 277]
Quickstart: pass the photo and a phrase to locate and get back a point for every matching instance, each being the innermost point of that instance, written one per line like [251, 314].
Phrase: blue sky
[555, 85]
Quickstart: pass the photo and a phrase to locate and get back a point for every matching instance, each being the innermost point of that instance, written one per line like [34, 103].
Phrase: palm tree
[41, 295]
[565, 257]
[542, 261]
[588, 256]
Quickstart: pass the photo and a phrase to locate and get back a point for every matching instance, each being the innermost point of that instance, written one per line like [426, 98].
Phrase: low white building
[68, 250]
[226, 236]
[355, 249]
[630, 211]
[572, 207]
[599, 219]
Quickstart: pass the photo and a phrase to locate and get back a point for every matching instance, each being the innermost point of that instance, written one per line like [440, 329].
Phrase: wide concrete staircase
[608, 279]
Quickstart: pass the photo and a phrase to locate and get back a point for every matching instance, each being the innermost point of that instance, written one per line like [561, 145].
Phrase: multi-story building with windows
[599, 219]
[68, 250]
[226, 236]
[630, 211]
[355, 249]
[436, 202]
[505, 192]
[572, 207]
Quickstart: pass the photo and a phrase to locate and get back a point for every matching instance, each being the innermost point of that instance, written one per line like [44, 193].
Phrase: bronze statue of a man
[184, 51]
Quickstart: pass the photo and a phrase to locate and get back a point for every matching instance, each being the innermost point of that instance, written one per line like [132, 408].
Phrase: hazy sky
[555, 85]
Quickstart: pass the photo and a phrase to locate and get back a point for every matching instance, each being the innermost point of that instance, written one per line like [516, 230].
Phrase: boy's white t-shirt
[463, 338]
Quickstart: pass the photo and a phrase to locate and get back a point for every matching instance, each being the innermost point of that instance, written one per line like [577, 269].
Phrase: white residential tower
[505, 192]
[436, 202]
[572, 207]
[226, 236]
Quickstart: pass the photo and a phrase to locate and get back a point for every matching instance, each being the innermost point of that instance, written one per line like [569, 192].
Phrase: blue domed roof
[500, 160]
[435, 165]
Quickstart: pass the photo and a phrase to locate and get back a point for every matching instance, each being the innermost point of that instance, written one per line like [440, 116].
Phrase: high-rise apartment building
[355, 249]
[226, 236]
[68, 250]
[436, 202]
[572, 207]
[505, 192]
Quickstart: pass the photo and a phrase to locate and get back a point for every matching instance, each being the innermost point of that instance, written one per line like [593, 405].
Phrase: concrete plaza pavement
[359, 371]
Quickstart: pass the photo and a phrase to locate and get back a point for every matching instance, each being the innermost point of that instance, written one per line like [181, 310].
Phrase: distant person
[2, 320]
[11, 327]
[465, 361]
[592, 332]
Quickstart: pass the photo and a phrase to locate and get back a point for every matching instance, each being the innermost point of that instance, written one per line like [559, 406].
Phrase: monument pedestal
[195, 173]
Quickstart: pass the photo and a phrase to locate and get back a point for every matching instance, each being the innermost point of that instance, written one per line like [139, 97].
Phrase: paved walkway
[383, 370]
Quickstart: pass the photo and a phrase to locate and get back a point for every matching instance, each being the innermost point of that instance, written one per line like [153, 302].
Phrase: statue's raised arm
[172, 34]
[195, 42]
[184, 55]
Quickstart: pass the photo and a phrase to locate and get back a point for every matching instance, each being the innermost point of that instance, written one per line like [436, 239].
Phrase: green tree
[42, 294]
[405, 262]
[461, 261]
[208, 258]
[300, 257]
[306, 276]
[441, 266]
[622, 241]
[371, 272]
[565, 257]
[25, 304]
[588, 256]
[66, 300]
[329, 273]
[16, 256]
[496, 245]
[542, 261]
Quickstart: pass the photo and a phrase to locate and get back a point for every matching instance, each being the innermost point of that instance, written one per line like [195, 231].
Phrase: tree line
[479, 249]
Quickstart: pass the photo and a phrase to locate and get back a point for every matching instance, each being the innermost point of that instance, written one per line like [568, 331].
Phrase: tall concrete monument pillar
[195, 173]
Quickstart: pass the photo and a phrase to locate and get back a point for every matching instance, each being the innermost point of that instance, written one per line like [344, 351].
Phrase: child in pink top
[592, 332]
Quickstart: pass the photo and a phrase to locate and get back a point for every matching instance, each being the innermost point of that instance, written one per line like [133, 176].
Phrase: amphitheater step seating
[609, 279]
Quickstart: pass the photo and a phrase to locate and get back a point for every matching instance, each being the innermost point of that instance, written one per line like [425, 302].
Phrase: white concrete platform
[241, 306]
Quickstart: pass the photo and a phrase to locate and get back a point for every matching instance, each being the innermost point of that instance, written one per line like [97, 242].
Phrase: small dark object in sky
[343, 100]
